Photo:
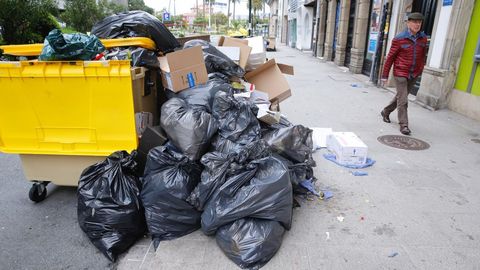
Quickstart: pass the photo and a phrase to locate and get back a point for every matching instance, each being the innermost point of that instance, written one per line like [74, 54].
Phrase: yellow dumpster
[63, 116]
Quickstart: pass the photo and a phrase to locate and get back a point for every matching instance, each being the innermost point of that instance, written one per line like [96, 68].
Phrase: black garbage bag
[299, 172]
[140, 57]
[77, 46]
[250, 242]
[237, 118]
[215, 60]
[136, 23]
[109, 209]
[218, 77]
[258, 189]
[225, 146]
[169, 179]
[189, 128]
[219, 166]
[294, 143]
[201, 95]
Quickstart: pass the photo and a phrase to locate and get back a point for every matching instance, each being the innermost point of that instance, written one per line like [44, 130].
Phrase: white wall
[304, 28]
[439, 37]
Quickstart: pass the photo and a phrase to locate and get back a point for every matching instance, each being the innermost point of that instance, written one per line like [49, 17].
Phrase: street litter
[369, 162]
[326, 194]
[310, 187]
[340, 218]
[359, 173]
[393, 254]
[328, 236]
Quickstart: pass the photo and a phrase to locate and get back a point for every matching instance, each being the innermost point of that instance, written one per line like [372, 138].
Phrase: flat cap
[415, 16]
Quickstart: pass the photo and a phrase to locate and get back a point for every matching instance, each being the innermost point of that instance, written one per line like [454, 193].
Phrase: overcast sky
[183, 6]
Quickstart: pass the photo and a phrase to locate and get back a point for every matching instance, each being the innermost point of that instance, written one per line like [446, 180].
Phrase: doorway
[351, 21]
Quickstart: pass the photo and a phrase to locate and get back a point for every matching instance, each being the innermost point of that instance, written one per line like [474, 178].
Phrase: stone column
[437, 83]
[330, 29]
[322, 14]
[359, 36]
[340, 49]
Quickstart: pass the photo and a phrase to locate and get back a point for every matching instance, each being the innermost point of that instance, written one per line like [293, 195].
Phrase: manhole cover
[403, 142]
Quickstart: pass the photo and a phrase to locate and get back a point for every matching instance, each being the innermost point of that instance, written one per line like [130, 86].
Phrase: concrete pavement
[422, 206]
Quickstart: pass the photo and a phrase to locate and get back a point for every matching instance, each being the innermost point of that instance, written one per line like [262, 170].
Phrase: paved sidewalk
[422, 206]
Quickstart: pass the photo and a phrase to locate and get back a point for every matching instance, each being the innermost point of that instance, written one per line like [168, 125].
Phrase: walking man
[407, 55]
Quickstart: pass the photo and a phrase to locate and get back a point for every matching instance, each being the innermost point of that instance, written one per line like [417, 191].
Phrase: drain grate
[403, 142]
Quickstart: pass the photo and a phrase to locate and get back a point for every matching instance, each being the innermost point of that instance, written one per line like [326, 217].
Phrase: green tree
[139, 5]
[82, 14]
[108, 8]
[26, 21]
[219, 19]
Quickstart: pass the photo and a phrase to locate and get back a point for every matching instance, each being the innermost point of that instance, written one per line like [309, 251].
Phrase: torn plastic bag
[109, 209]
[215, 60]
[259, 189]
[169, 179]
[201, 95]
[77, 46]
[294, 143]
[218, 166]
[136, 23]
[250, 242]
[237, 118]
[188, 128]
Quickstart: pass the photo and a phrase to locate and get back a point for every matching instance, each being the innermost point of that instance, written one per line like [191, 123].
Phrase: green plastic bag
[78, 46]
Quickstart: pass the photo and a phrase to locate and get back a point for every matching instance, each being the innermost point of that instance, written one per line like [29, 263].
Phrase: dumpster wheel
[38, 191]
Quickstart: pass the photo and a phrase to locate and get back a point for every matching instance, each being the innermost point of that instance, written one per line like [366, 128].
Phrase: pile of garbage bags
[221, 170]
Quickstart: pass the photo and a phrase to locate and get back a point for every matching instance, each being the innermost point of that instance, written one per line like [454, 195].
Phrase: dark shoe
[405, 130]
[385, 117]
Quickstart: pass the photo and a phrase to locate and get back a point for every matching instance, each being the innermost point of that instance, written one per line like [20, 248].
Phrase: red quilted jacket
[407, 55]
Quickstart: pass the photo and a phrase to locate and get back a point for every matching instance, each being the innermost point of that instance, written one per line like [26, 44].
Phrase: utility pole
[250, 23]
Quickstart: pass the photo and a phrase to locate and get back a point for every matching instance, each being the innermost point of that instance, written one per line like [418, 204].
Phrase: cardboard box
[144, 87]
[240, 43]
[59, 169]
[183, 69]
[151, 138]
[268, 78]
[348, 148]
[269, 117]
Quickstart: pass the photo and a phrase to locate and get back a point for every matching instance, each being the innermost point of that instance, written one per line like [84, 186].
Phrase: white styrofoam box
[348, 148]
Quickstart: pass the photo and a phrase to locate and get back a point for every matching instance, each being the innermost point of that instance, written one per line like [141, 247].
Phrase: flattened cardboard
[232, 52]
[269, 78]
[183, 69]
[240, 43]
[144, 87]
